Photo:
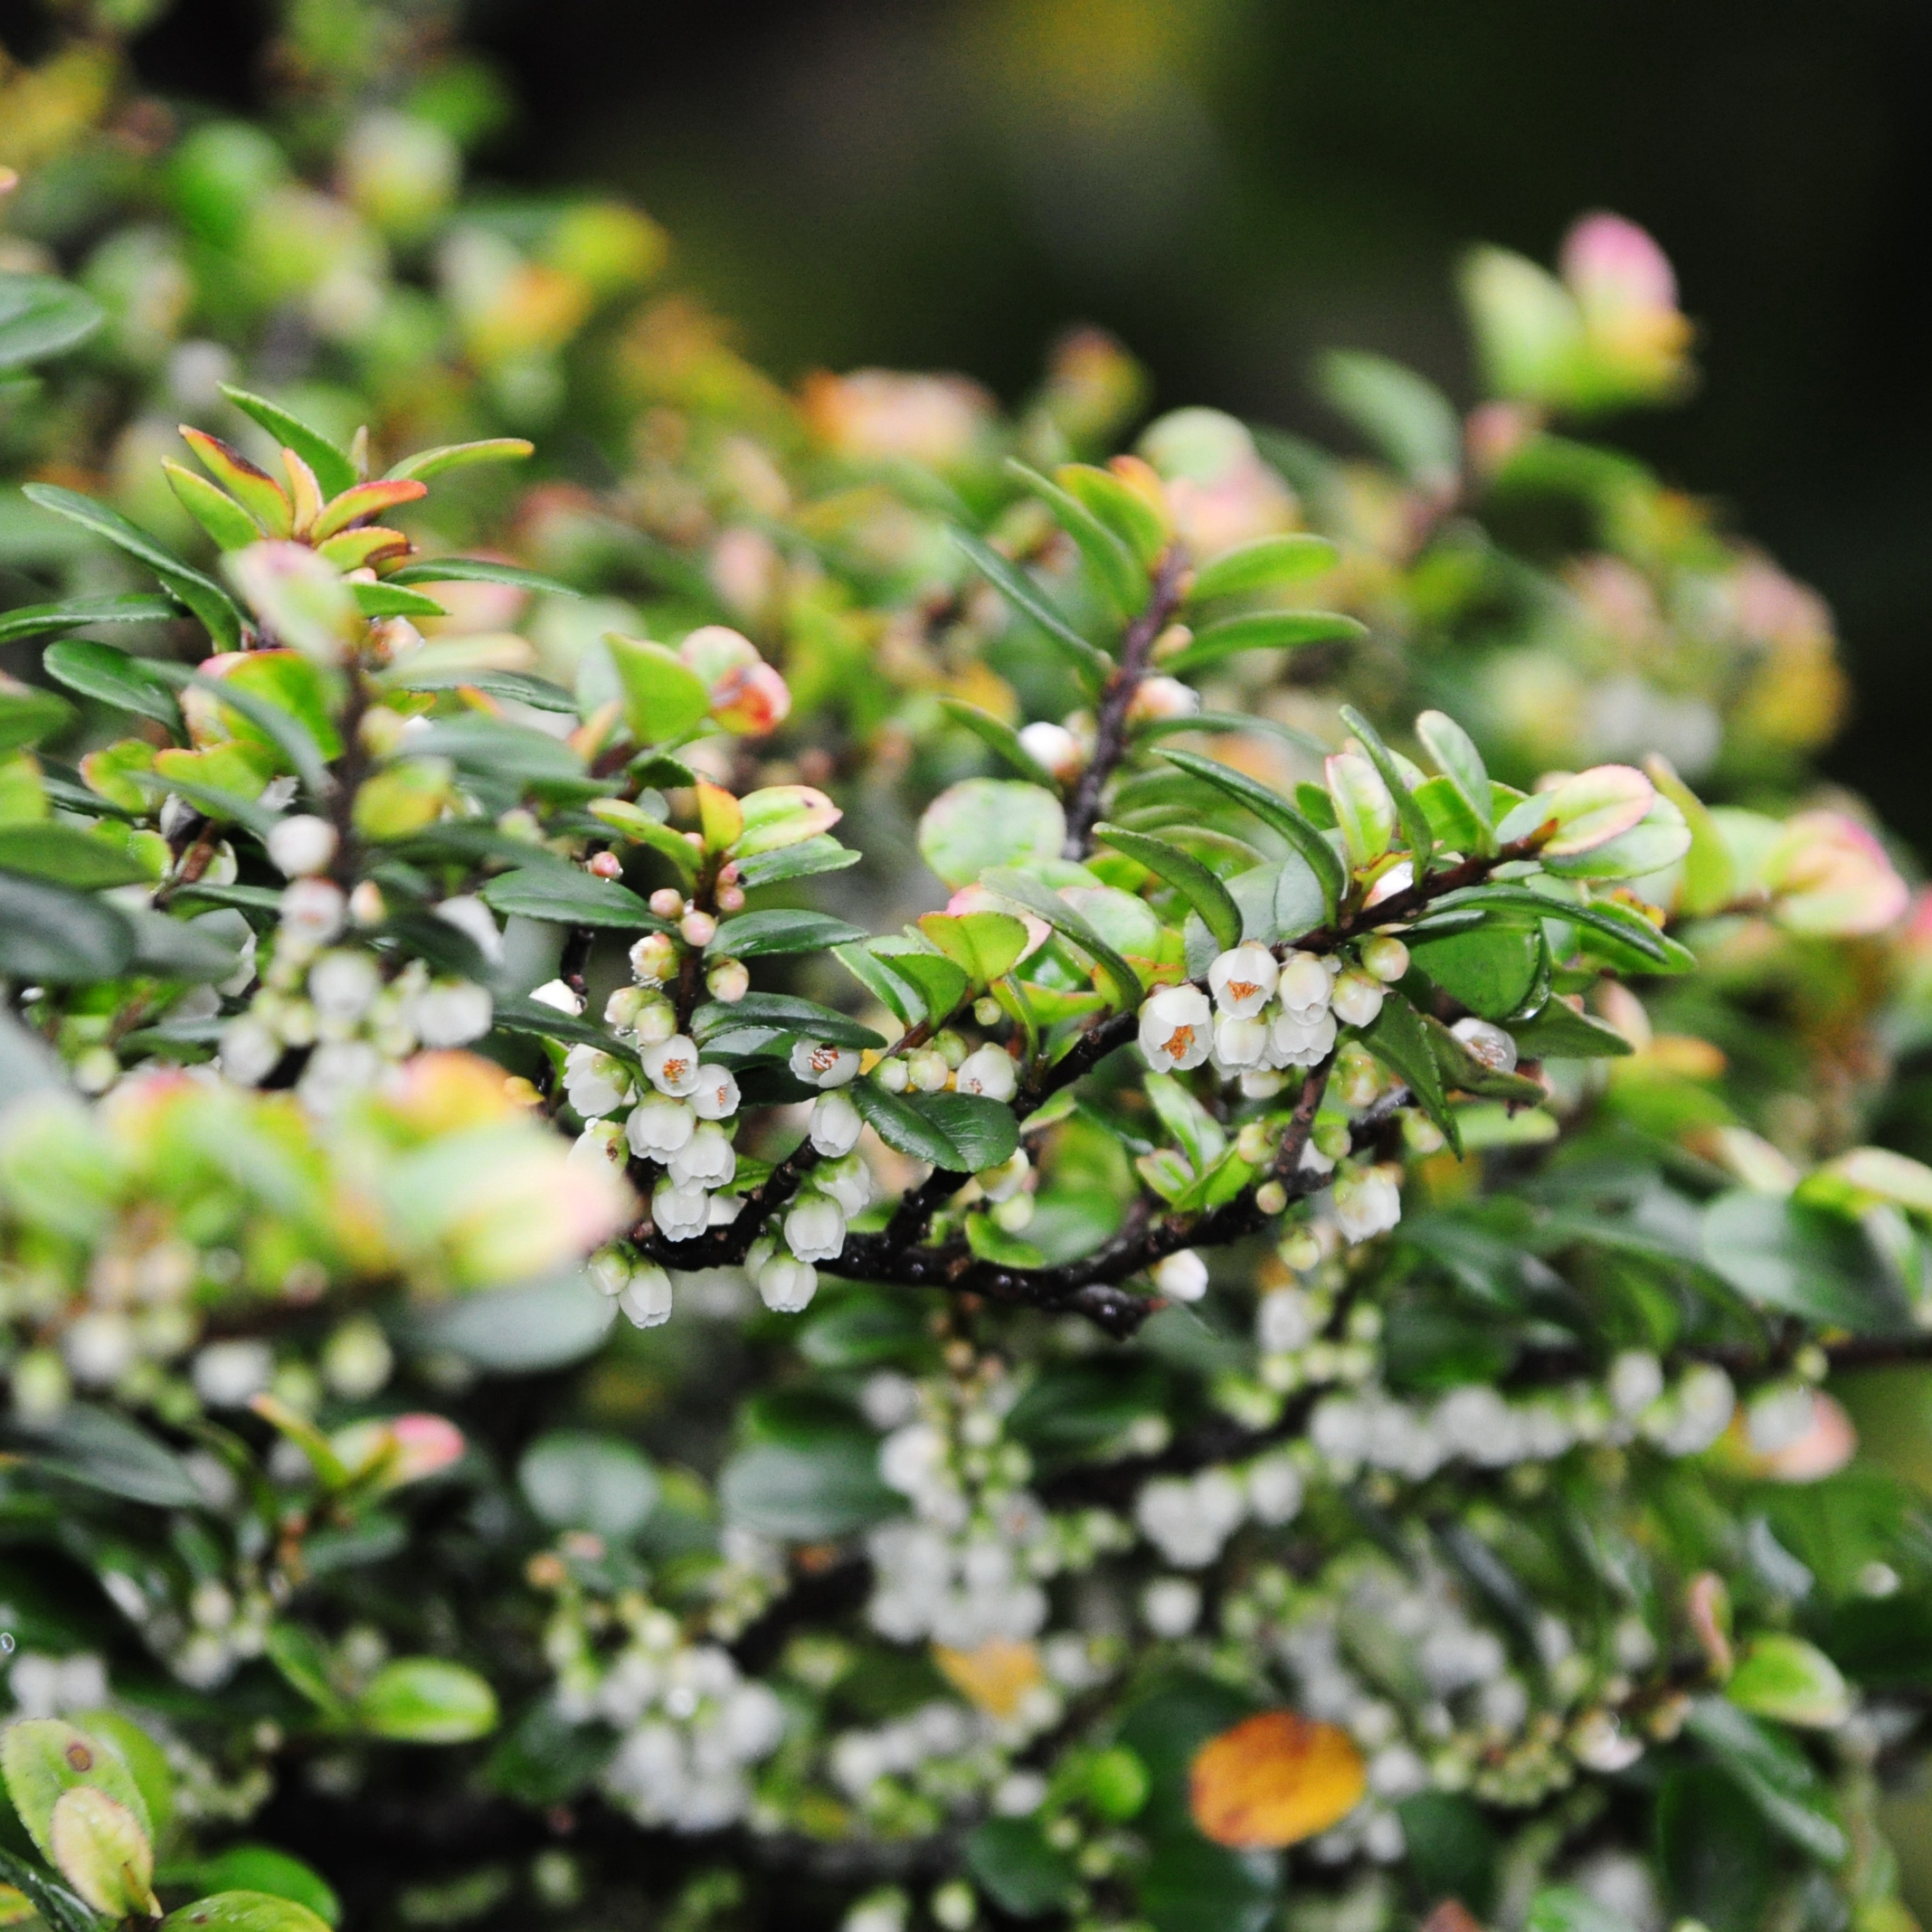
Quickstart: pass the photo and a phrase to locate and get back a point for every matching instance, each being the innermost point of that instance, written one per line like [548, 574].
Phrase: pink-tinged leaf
[375, 544]
[1827, 875]
[1613, 264]
[255, 489]
[1587, 810]
[367, 499]
[1822, 1448]
[784, 815]
[408, 1448]
[1363, 807]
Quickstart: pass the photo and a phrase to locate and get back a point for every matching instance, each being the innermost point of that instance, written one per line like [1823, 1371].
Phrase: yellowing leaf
[1274, 1780]
[103, 1852]
[996, 1676]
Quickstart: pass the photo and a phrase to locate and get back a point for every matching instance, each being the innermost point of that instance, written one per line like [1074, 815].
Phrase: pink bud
[1611, 264]
[668, 902]
[699, 929]
[606, 866]
[750, 701]
[730, 898]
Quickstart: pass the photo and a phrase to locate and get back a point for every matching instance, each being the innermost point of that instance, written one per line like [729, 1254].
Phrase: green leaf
[1019, 1870]
[1413, 821]
[52, 936]
[983, 1130]
[263, 1869]
[985, 946]
[810, 1486]
[752, 935]
[1263, 564]
[105, 1450]
[1801, 1261]
[80, 859]
[1088, 660]
[1040, 899]
[664, 698]
[1714, 1851]
[905, 1128]
[44, 1759]
[1462, 1072]
[1364, 807]
[427, 463]
[1615, 921]
[999, 737]
[244, 1911]
[1774, 1774]
[1194, 1130]
[478, 570]
[76, 613]
[1559, 1032]
[41, 316]
[27, 715]
[781, 1013]
[983, 822]
[1710, 874]
[1127, 513]
[1782, 1677]
[101, 672]
[1275, 812]
[1121, 577]
[201, 594]
[218, 513]
[268, 504]
[568, 897]
[1565, 1909]
[1491, 969]
[574, 1480]
[389, 599]
[1409, 421]
[898, 996]
[538, 692]
[1458, 760]
[1191, 879]
[1397, 1037]
[1452, 825]
[58, 1908]
[334, 472]
[938, 983]
[807, 858]
[1262, 630]
[426, 1700]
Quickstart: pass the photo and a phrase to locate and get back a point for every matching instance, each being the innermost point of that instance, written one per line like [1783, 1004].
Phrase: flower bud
[989, 1073]
[815, 1229]
[1256, 1142]
[1003, 1182]
[1385, 957]
[366, 906]
[605, 865]
[1356, 999]
[654, 958]
[728, 981]
[1054, 747]
[609, 1271]
[1012, 1215]
[666, 903]
[987, 1010]
[558, 997]
[697, 930]
[927, 1072]
[1271, 1196]
[301, 844]
[646, 1298]
[1182, 1276]
[730, 898]
[1495, 1048]
[892, 1075]
[834, 1124]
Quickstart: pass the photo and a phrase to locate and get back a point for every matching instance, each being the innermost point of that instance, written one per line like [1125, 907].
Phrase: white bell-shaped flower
[815, 1229]
[1240, 1042]
[1357, 998]
[707, 1160]
[1294, 1042]
[786, 1284]
[671, 1065]
[1243, 979]
[715, 1095]
[847, 1181]
[834, 1124]
[646, 1297]
[820, 1063]
[988, 1072]
[658, 1126]
[593, 1083]
[1176, 1028]
[681, 1214]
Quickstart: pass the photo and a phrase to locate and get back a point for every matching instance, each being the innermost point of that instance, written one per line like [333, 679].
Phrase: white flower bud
[1053, 746]
[1366, 1204]
[671, 1065]
[1356, 999]
[834, 1124]
[728, 981]
[656, 1018]
[312, 911]
[819, 1064]
[847, 1181]
[815, 1229]
[1305, 985]
[658, 1126]
[1385, 956]
[989, 1073]
[1493, 1047]
[1239, 1043]
[451, 1013]
[1003, 1182]
[1177, 1027]
[1182, 1276]
[1243, 979]
[609, 1272]
[249, 1050]
[654, 958]
[593, 1083]
[786, 1284]
[646, 1297]
[301, 844]
[707, 1160]
[558, 997]
[680, 1214]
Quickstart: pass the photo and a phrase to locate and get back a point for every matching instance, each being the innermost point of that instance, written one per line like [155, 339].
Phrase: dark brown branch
[1110, 729]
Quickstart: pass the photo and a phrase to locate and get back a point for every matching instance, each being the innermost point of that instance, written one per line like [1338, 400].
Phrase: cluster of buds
[946, 1063]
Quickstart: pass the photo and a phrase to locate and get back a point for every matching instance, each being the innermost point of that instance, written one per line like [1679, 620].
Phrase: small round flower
[847, 1181]
[655, 1019]
[654, 958]
[1271, 1196]
[609, 1272]
[658, 1126]
[1242, 980]
[312, 911]
[368, 906]
[815, 1229]
[1304, 986]
[1357, 1000]
[646, 1297]
[1053, 746]
[1015, 1213]
[1170, 1606]
[730, 898]
[1182, 1276]
[671, 1065]
[301, 844]
[1296, 1043]
[715, 1097]
[835, 1123]
[819, 1064]
[728, 981]
[1176, 1028]
[249, 1050]
[707, 1160]
[1261, 1083]
[989, 1073]
[593, 1083]
[926, 1071]
[1494, 1047]
[343, 984]
[1239, 1043]
[680, 1214]
[666, 903]
[697, 930]
[1162, 698]
[1366, 1204]
[1385, 956]
[893, 1075]
[786, 1284]
[1274, 1490]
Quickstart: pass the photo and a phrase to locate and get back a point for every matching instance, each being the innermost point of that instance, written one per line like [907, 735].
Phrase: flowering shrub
[937, 1176]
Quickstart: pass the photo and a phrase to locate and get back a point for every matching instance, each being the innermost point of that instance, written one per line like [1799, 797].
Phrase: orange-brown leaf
[1274, 1780]
[367, 499]
[996, 1675]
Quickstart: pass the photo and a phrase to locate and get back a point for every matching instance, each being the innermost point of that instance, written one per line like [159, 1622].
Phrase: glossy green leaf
[52, 935]
[985, 946]
[1127, 513]
[46, 1758]
[984, 822]
[1774, 1774]
[426, 1700]
[1000, 738]
[244, 1911]
[1559, 1032]
[1263, 564]
[427, 463]
[478, 570]
[804, 860]
[568, 897]
[42, 316]
[27, 715]
[1323, 860]
[334, 472]
[1088, 660]
[78, 613]
[664, 698]
[112, 677]
[59, 1909]
[218, 513]
[1262, 630]
[263, 1869]
[1782, 1677]
[389, 600]
[1014, 1865]
[753, 935]
[1491, 970]
[69, 856]
[1034, 895]
[1410, 816]
[1191, 879]
[1397, 1037]
[1122, 579]
[1801, 1261]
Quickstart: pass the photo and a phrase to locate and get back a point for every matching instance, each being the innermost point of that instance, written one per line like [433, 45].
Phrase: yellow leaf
[1274, 1780]
[996, 1676]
